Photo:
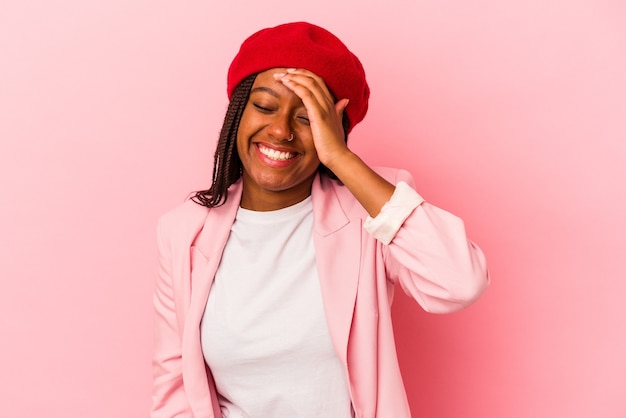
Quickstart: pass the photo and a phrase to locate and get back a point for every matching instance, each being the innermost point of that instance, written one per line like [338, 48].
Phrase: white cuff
[393, 213]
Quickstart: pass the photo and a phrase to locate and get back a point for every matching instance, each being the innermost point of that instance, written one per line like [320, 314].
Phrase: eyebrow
[265, 90]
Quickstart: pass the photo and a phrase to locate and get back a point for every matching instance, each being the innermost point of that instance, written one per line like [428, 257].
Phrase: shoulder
[184, 220]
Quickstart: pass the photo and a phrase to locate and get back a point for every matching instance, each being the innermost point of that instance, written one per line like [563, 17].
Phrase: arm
[370, 189]
[427, 249]
[168, 396]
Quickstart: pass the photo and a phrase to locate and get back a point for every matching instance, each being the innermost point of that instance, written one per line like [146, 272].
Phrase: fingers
[310, 81]
[325, 116]
[312, 90]
[341, 105]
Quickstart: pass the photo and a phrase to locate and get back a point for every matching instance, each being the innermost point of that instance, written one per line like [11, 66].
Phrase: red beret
[303, 45]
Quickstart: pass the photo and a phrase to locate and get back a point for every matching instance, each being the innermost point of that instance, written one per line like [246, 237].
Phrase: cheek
[243, 134]
[309, 147]
[239, 143]
[250, 125]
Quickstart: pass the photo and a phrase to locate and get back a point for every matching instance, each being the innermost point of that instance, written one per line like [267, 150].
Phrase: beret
[304, 45]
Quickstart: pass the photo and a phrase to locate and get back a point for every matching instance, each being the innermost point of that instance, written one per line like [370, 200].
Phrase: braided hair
[226, 162]
[227, 166]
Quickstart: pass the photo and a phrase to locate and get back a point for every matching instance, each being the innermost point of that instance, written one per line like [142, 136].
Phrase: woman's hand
[325, 116]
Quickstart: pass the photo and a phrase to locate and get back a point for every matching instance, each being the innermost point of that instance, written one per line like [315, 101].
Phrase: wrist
[339, 161]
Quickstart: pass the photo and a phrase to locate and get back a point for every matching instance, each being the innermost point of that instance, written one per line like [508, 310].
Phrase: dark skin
[278, 172]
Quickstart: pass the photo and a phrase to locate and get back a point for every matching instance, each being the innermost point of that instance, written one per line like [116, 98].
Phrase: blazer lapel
[338, 255]
[205, 253]
[337, 242]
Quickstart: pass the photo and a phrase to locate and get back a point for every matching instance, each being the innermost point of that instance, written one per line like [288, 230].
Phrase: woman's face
[276, 172]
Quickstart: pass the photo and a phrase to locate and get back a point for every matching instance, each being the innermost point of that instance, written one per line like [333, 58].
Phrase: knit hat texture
[304, 45]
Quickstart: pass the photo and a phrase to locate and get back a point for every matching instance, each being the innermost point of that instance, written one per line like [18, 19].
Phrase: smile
[275, 155]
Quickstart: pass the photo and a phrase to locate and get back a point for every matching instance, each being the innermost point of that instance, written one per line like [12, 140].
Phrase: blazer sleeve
[432, 258]
[168, 394]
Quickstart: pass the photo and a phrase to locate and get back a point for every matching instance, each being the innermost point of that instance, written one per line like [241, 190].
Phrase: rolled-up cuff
[392, 215]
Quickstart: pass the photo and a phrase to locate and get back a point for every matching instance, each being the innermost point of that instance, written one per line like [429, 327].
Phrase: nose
[280, 128]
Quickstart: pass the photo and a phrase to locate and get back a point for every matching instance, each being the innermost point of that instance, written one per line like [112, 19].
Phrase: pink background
[510, 114]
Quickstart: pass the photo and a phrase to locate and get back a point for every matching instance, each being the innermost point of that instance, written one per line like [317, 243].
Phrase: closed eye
[262, 109]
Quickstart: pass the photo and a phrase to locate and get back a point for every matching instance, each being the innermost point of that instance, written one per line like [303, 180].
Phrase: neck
[255, 198]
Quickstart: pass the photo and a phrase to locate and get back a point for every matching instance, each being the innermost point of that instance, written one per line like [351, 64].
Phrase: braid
[226, 164]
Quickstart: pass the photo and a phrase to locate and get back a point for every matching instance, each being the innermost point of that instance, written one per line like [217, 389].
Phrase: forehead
[265, 83]
[266, 78]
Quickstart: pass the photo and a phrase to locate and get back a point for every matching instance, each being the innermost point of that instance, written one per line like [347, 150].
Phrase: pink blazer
[430, 257]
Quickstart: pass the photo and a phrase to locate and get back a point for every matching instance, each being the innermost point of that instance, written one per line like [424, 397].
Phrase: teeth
[276, 155]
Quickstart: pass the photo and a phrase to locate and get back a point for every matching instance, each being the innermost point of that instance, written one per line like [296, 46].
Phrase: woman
[275, 285]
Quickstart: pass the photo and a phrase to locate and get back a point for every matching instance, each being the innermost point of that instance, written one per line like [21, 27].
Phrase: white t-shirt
[264, 332]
